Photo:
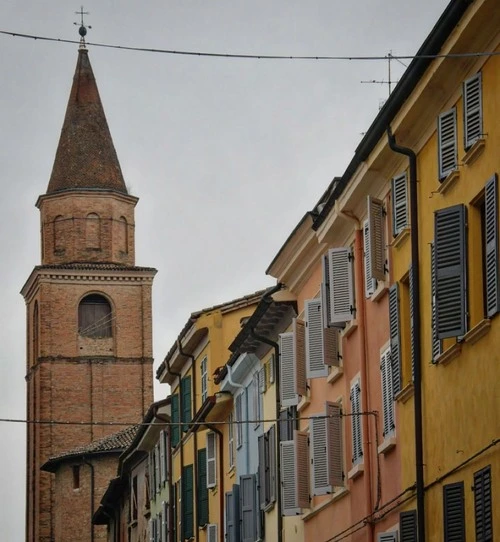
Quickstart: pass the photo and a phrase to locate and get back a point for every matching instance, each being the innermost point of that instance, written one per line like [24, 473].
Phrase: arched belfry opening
[95, 317]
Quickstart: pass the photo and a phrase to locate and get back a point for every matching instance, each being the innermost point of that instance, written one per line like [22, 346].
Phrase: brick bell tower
[89, 329]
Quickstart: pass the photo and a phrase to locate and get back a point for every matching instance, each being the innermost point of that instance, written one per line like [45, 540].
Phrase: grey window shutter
[473, 110]
[162, 459]
[164, 524]
[451, 266]
[248, 511]
[319, 455]
[334, 442]
[157, 468]
[387, 537]
[325, 293]
[341, 286]
[288, 393]
[491, 238]
[447, 143]
[230, 520]
[151, 526]
[376, 233]
[370, 283]
[271, 456]
[387, 392]
[299, 354]
[357, 437]
[436, 343]
[454, 512]
[411, 282]
[399, 186]
[211, 460]
[408, 526]
[262, 471]
[394, 331]
[315, 359]
[483, 511]
[152, 481]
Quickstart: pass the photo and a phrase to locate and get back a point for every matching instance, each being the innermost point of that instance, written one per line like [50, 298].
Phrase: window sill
[402, 236]
[268, 507]
[335, 374]
[356, 471]
[449, 355]
[303, 403]
[349, 328]
[388, 445]
[478, 331]
[474, 152]
[132, 523]
[333, 498]
[405, 393]
[449, 181]
[379, 293]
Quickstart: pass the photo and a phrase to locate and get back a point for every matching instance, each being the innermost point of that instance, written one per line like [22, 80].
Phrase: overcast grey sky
[225, 155]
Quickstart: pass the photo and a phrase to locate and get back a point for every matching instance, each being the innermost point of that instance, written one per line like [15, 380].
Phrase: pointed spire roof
[86, 157]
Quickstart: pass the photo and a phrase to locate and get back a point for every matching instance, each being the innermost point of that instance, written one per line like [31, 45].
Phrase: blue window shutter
[454, 512]
[491, 256]
[447, 143]
[473, 110]
[394, 330]
[202, 490]
[248, 509]
[175, 429]
[483, 511]
[187, 502]
[451, 266]
[408, 526]
[186, 402]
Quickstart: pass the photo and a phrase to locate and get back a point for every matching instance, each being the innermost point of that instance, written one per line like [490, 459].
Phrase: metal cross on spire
[83, 29]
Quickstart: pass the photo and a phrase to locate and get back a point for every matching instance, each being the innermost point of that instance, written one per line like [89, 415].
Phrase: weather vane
[83, 29]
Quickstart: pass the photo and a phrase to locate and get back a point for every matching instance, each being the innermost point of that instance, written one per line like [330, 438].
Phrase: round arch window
[95, 317]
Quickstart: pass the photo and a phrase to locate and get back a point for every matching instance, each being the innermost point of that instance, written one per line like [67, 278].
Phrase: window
[451, 271]
[357, 437]
[93, 231]
[238, 419]
[447, 143]
[211, 466]
[454, 513]
[399, 187]
[231, 441]
[292, 364]
[187, 521]
[376, 238]
[95, 317]
[370, 283]
[326, 450]
[387, 393]
[483, 512]
[204, 379]
[35, 333]
[473, 110]
[337, 289]
[59, 234]
[185, 402]
[408, 526]
[288, 423]
[295, 474]
[267, 468]
[202, 489]
[76, 476]
[175, 429]
[123, 235]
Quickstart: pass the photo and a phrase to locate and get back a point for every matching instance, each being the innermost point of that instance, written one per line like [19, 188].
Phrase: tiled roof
[86, 157]
[94, 267]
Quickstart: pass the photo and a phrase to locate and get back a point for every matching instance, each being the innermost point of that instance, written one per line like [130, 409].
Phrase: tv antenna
[389, 81]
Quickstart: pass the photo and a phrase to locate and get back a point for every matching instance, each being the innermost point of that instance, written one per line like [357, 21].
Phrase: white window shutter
[288, 393]
[387, 393]
[399, 187]
[357, 437]
[325, 293]
[473, 110]
[376, 233]
[315, 359]
[211, 459]
[299, 354]
[262, 380]
[341, 286]
[238, 420]
[447, 143]
[288, 479]
[491, 256]
[319, 456]
[370, 283]
[334, 444]
[394, 332]
[212, 532]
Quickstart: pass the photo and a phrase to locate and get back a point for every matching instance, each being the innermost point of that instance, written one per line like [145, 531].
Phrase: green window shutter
[186, 402]
[399, 186]
[491, 256]
[436, 343]
[483, 511]
[473, 110]
[187, 524]
[175, 429]
[315, 358]
[248, 509]
[376, 233]
[408, 526]
[202, 490]
[454, 512]
[451, 266]
[394, 331]
[447, 143]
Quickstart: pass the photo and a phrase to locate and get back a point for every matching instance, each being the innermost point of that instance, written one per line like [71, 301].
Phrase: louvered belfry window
[447, 143]
[95, 317]
[451, 271]
[473, 110]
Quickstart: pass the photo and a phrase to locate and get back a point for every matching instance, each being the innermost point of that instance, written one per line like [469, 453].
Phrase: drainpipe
[221, 479]
[275, 345]
[92, 482]
[417, 372]
[195, 434]
[170, 487]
